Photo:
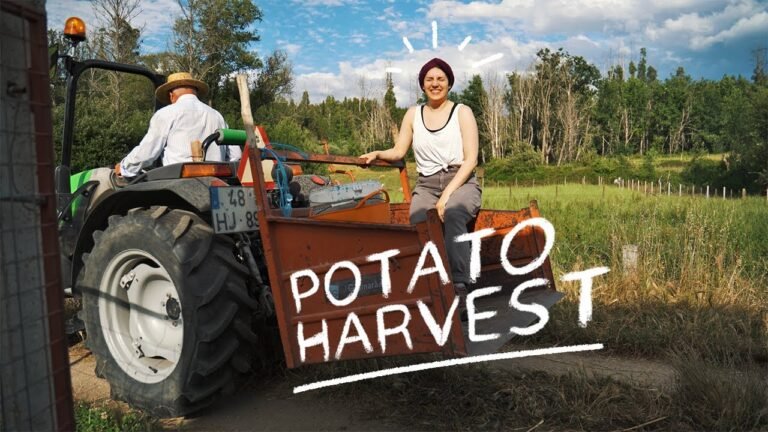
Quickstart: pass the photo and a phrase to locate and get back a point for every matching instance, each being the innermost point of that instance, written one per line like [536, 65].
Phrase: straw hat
[180, 79]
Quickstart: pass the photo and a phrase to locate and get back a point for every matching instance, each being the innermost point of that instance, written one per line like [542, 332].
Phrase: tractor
[198, 273]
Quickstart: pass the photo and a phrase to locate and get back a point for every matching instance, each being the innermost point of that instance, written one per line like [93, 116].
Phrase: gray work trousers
[461, 208]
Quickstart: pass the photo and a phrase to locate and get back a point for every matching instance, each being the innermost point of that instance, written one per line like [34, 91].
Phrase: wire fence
[35, 389]
[650, 188]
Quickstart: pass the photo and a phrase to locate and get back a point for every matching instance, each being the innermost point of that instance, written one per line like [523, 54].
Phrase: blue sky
[343, 47]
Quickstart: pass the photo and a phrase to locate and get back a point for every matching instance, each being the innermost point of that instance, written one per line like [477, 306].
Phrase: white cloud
[544, 16]
[312, 3]
[290, 48]
[754, 25]
[698, 32]
[358, 38]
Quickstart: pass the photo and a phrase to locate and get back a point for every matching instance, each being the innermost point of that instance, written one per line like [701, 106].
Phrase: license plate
[233, 209]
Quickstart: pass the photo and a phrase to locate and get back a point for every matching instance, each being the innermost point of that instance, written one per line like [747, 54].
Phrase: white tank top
[436, 150]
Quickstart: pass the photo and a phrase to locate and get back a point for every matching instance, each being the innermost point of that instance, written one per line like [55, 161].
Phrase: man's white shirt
[171, 132]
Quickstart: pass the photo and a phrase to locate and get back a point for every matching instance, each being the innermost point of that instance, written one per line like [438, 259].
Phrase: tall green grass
[701, 274]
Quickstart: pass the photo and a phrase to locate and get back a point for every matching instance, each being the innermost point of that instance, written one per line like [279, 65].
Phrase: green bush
[524, 165]
[701, 172]
[647, 169]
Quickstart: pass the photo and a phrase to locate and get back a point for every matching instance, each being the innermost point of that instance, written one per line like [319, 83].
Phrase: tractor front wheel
[167, 311]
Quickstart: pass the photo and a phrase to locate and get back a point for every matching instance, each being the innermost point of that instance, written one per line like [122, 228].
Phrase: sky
[343, 48]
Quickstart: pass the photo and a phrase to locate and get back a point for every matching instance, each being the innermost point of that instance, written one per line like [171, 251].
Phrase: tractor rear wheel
[167, 311]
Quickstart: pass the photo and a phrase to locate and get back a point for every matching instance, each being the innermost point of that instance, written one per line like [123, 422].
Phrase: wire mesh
[32, 370]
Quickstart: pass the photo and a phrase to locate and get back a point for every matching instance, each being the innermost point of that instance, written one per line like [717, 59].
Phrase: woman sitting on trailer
[445, 144]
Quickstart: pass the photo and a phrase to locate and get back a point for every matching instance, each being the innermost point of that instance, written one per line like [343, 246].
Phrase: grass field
[700, 278]
[696, 300]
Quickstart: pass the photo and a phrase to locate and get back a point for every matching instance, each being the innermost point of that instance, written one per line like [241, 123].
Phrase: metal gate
[35, 388]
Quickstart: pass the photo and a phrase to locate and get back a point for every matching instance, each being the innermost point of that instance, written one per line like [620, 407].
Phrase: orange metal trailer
[300, 242]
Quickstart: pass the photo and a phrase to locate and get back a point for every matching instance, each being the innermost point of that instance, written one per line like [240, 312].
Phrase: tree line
[561, 110]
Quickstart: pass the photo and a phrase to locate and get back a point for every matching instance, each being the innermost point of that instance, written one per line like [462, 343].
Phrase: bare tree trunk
[494, 118]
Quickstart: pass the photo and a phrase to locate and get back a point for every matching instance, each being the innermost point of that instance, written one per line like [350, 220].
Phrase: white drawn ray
[408, 44]
[464, 43]
[434, 34]
[487, 60]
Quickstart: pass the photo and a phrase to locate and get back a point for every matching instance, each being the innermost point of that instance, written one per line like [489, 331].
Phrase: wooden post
[723, 192]
[669, 188]
[743, 193]
[680, 191]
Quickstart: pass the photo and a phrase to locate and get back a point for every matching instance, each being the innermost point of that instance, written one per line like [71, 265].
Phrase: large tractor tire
[167, 311]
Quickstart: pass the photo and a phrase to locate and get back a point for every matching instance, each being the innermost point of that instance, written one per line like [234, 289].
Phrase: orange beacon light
[74, 29]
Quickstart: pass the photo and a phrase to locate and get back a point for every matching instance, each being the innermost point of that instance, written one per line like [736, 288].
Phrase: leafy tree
[642, 66]
[212, 38]
[473, 95]
[390, 101]
[760, 72]
[275, 79]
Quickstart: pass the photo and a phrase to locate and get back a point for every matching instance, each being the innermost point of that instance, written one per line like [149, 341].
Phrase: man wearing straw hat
[176, 130]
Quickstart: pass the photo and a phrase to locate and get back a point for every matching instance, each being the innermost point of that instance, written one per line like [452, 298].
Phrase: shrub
[701, 171]
[523, 165]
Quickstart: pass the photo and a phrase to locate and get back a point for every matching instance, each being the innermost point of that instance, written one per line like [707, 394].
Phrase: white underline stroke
[445, 363]
[408, 44]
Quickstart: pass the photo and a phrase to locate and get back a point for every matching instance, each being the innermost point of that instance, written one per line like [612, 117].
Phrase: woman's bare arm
[404, 139]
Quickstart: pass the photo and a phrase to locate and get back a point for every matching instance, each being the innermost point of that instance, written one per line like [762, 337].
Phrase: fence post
[680, 191]
[707, 191]
[743, 193]
[723, 192]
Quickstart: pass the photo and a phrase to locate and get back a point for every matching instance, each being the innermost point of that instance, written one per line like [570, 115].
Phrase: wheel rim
[140, 316]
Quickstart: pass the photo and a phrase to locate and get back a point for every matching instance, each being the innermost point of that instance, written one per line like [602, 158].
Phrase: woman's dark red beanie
[436, 63]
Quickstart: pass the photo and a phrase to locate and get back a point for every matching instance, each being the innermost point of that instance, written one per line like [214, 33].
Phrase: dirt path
[261, 405]
[646, 373]
[269, 404]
